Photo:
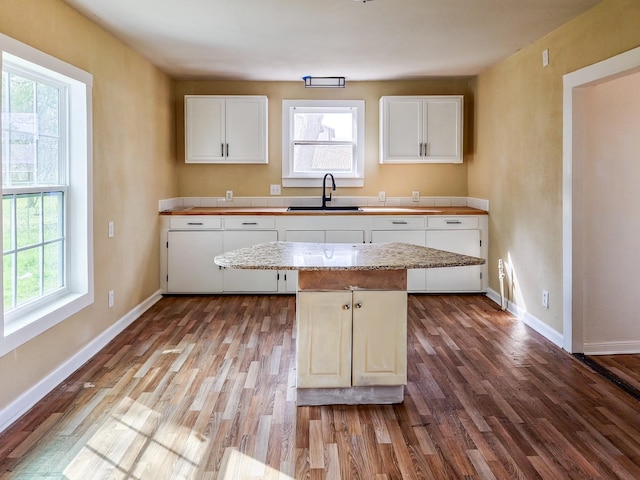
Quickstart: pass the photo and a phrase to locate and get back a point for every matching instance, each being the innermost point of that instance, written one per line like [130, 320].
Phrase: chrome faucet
[326, 199]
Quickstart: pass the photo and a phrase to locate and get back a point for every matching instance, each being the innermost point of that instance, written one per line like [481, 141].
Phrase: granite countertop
[362, 211]
[341, 256]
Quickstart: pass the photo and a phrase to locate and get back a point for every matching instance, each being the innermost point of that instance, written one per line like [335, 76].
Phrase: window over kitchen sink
[320, 136]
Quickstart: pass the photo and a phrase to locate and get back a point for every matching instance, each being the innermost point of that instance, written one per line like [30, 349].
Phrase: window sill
[37, 321]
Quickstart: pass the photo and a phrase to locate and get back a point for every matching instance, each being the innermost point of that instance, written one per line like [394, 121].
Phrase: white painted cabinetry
[240, 232]
[192, 243]
[185, 266]
[406, 230]
[424, 129]
[458, 235]
[351, 338]
[225, 129]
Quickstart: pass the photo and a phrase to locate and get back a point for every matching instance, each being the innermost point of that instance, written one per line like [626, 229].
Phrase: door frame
[573, 212]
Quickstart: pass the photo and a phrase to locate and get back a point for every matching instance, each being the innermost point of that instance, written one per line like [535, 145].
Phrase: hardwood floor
[203, 388]
[624, 368]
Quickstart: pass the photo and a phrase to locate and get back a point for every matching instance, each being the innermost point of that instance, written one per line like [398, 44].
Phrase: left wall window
[47, 268]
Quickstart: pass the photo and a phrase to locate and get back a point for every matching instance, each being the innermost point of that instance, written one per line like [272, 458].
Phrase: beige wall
[611, 174]
[254, 180]
[518, 150]
[134, 166]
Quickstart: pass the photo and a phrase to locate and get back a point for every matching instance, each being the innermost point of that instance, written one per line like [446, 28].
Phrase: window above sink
[322, 136]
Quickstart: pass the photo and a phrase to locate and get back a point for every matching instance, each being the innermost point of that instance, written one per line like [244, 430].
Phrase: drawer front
[398, 223]
[452, 222]
[195, 222]
[249, 223]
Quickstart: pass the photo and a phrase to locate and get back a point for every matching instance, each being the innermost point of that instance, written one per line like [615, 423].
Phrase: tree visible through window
[33, 186]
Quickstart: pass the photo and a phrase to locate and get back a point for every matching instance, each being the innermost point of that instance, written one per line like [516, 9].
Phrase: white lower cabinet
[351, 338]
[455, 279]
[237, 280]
[416, 277]
[190, 265]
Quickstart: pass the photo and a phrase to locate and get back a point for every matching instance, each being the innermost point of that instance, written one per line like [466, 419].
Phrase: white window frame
[289, 178]
[24, 324]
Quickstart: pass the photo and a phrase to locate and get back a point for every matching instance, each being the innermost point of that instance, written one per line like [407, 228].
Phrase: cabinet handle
[249, 223]
[195, 223]
[398, 222]
[346, 307]
[358, 305]
[222, 149]
[421, 148]
[453, 222]
[227, 149]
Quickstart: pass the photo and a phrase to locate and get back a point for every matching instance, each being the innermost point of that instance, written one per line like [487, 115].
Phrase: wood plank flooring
[624, 366]
[202, 387]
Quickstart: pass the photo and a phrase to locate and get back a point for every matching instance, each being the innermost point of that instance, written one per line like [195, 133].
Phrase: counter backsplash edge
[281, 201]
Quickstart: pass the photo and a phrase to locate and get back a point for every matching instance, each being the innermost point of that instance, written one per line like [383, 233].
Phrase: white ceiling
[288, 39]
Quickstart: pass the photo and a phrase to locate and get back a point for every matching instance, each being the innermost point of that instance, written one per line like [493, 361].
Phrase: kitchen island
[351, 311]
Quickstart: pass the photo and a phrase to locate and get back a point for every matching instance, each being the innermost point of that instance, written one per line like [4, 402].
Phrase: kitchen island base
[381, 395]
[351, 313]
[351, 337]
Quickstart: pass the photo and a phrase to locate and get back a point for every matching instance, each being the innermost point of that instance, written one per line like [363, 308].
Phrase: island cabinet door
[379, 338]
[324, 339]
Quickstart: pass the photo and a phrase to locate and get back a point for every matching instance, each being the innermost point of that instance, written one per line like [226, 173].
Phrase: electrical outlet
[229, 195]
[111, 229]
[382, 196]
[275, 190]
[111, 298]
[415, 196]
[545, 299]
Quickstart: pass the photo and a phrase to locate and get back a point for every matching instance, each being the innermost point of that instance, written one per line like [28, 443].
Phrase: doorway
[601, 212]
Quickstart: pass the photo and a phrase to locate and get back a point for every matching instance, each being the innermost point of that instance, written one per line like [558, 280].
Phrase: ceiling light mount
[323, 82]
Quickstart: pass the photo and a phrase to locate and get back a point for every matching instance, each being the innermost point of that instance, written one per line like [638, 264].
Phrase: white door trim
[573, 213]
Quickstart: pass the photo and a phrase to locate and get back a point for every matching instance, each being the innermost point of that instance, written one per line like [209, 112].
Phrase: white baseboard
[612, 348]
[528, 319]
[36, 393]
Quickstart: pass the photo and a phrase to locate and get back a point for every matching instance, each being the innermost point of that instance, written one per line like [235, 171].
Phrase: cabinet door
[442, 120]
[344, 236]
[401, 129]
[249, 280]
[204, 129]
[379, 354]
[416, 277]
[246, 130]
[455, 279]
[323, 339]
[190, 266]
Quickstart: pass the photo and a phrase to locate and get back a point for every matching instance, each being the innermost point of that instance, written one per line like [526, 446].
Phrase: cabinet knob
[358, 305]
[346, 307]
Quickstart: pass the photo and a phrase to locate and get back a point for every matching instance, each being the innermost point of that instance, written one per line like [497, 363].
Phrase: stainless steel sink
[346, 208]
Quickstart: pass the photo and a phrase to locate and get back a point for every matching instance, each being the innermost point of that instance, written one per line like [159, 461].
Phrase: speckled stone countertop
[341, 256]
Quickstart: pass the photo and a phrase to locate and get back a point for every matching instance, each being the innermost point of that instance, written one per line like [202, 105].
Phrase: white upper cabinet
[425, 129]
[225, 129]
